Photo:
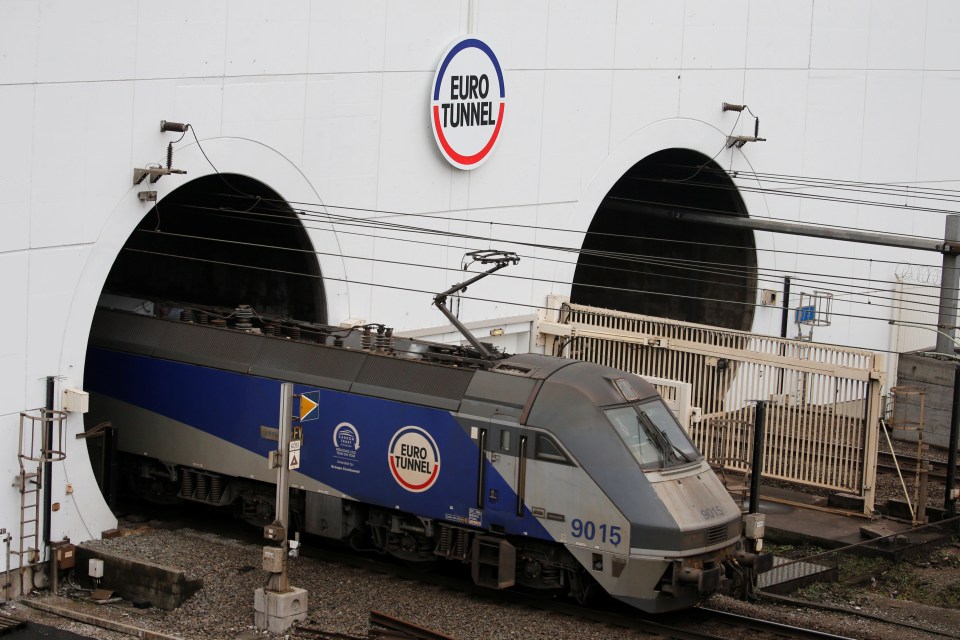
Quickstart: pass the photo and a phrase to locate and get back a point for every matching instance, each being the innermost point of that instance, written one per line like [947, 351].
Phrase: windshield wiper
[663, 442]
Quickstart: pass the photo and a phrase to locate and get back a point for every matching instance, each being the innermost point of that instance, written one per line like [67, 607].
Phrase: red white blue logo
[414, 459]
[468, 103]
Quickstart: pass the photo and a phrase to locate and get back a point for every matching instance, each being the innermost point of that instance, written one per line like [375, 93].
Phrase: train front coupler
[743, 569]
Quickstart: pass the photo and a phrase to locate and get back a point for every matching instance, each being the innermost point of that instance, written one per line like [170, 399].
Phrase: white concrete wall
[327, 102]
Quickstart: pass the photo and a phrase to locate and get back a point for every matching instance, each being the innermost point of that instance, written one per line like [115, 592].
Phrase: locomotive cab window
[546, 449]
[653, 435]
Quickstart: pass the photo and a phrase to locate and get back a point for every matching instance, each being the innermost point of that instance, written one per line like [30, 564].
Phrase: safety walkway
[797, 518]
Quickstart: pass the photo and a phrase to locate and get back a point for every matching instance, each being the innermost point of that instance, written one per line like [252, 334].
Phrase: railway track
[696, 624]
[384, 627]
[938, 469]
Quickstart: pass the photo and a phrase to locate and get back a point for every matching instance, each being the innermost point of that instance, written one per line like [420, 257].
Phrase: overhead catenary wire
[676, 263]
[698, 209]
[525, 305]
[331, 218]
[309, 212]
[719, 268]
[906, 189]
[530, 278]
[633, 258]
[698, 169]
[554, 248]
[872, 292]
[305, 207]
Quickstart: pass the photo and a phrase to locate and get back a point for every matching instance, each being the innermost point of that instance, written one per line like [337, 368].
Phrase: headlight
[693, 540]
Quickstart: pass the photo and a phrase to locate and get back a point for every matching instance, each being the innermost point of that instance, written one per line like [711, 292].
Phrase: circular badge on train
[468, 103]
[414, 459]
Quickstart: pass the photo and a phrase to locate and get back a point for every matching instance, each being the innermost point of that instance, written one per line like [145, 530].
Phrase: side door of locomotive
[501, 477]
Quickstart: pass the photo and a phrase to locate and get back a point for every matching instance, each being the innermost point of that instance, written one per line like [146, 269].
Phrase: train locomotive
[534, 470]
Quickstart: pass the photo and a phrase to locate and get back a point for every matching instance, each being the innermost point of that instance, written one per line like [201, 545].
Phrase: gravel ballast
[341, 598]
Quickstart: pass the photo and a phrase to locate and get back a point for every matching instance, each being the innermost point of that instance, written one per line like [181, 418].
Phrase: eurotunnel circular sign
[468, 103]
[414, 459]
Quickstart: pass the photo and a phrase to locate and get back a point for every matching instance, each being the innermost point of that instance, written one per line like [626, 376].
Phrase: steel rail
[938, 469]
[860, 614]
[767, 626]
[310, 632]
[408, 628]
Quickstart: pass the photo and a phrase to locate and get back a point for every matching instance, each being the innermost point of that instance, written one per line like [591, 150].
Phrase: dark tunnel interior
[223, 240]
[633, 260]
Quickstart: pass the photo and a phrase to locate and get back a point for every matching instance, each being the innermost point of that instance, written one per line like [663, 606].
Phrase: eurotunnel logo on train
[414, 459]
[468, 103]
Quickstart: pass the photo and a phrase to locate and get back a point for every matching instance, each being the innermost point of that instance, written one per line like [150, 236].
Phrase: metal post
[280, 582]
[785, 316]
[871, 436]
[756, 465]
[283, 474]
[921, 515]
[950, 504]
[45, 447]
[949, 281]
[278, 605]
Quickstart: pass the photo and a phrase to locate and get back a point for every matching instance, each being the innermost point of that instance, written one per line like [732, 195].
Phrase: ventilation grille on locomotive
[716, 534]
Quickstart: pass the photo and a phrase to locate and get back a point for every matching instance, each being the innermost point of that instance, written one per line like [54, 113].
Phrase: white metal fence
[824, 402]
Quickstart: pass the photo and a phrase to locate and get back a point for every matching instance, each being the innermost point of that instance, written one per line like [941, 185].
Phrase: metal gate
[824, 402]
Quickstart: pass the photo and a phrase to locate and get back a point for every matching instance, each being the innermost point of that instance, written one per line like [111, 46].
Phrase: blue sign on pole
[806, 313]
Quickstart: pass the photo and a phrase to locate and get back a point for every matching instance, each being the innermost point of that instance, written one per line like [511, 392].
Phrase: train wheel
[583, 587]
[257, 510]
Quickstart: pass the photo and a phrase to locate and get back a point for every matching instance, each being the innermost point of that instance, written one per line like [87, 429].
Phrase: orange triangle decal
[307, 406]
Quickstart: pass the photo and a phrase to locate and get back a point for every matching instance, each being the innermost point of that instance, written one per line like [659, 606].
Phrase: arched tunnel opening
[222, 240]
[636, 258]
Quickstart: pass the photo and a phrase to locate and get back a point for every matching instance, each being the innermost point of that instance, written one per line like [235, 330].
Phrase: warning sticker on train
[414, 459]
[294, 458]
[468, 103]
[309, 405]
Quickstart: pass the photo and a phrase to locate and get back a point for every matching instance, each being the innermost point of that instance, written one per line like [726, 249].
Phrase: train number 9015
[711, 513]
[588, 530]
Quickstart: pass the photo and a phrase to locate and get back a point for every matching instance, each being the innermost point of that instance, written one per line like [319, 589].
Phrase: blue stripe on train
[233, 406]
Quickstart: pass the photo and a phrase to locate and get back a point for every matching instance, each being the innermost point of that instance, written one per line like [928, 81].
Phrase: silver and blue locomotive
[534, 470]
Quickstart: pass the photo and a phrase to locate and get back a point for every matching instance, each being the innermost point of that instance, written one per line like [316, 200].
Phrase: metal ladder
[39, 431]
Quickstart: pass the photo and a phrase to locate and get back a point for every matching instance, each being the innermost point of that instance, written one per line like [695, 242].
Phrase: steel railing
[823, 401]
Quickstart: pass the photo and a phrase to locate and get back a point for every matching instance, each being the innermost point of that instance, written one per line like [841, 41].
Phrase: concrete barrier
[137, 580]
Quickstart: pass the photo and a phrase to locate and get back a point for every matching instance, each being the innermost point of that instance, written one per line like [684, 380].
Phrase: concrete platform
[796, 518]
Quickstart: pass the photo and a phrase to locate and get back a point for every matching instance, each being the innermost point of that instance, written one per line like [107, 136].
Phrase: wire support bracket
[739, 141]
[154, 173]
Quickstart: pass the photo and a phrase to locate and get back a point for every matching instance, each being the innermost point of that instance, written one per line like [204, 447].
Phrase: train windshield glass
[653, 435]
